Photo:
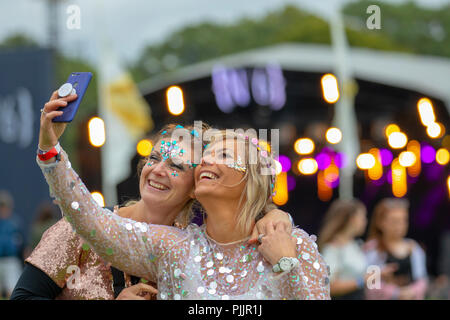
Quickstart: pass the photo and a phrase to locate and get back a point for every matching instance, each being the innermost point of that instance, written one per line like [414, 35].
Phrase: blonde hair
[186, 214]
[337, 218]
[379, 213]
[256, 199]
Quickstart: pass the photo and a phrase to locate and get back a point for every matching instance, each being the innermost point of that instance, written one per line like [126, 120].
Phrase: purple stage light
[291, 183]
[389, 176]
[285, 163]
[427, 153]
[386, 157]
[323, 161]
[340, 159]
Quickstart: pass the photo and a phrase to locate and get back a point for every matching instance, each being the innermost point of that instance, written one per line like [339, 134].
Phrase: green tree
[424, 31]
[205, 41]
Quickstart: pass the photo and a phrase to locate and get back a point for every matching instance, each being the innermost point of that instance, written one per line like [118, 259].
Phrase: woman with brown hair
[387, 245]
[344, 221]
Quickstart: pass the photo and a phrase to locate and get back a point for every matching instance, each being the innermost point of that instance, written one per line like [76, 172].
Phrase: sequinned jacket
[185, 264]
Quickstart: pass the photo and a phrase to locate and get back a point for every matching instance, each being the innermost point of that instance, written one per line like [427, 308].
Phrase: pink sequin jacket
[186, 264]
[72, 265]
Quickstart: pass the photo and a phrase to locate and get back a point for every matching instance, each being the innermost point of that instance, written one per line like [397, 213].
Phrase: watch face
[285, 264]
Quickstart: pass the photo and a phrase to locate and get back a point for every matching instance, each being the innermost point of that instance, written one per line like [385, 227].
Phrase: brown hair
[337, 218]
[185, 216]
[379, 213]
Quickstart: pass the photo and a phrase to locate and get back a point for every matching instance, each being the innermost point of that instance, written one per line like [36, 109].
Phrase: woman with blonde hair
[164, 199]
[387, 245]
[344, 221]
[214, 261]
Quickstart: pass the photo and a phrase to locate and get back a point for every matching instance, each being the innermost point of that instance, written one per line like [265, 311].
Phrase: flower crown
[264, 154]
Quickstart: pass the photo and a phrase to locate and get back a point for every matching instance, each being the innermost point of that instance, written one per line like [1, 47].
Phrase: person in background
[387, 244]
[344, 221]
[45, 218]
[11, 244]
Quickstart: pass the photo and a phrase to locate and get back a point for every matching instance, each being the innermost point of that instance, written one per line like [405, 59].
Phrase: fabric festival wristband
[49, 154]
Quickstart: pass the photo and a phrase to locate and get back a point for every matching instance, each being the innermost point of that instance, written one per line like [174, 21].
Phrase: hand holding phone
[78, 83]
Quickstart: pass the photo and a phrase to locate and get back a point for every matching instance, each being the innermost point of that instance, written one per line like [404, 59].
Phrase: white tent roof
[427, 74]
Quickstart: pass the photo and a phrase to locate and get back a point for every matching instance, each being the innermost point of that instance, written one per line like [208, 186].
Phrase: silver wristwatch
[285, 264]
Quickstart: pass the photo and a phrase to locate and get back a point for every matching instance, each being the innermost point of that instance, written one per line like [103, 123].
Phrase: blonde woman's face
[221, 172]
[167, 179]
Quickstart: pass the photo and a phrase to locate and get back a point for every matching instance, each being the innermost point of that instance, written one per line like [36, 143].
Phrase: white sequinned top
[185, 264]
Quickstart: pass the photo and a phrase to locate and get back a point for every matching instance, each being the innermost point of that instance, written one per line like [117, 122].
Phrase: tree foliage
[424, 31]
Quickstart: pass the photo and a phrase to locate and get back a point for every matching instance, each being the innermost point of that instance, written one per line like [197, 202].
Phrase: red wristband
[49, 154]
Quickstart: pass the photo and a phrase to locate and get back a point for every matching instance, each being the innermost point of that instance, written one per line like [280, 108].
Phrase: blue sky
[132, 24]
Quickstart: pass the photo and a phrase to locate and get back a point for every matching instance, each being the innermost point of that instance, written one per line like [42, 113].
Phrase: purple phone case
[80, 81]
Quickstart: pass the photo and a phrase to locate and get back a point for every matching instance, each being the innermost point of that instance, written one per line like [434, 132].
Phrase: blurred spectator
[11, 244]
[45, 218]
[387, 245]
[344, 221]
[440, 287]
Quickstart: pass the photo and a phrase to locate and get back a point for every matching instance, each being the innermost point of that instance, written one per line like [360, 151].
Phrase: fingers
[146, 288]
[54, 95]
[280, 226]
[54, 104]
[270, 228]
[49, 116]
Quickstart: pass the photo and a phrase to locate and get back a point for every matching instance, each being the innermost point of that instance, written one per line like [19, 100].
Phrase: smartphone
[80, 82]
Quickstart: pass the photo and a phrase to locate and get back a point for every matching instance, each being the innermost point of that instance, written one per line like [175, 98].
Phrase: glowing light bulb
[397, 140]
[365, 161]
[333, 135]
[304, 146]
[175, 101]
[330, 88]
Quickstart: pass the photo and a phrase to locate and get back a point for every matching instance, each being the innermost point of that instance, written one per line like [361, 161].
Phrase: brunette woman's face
[395, 223]
[167, 179]
[215, 176]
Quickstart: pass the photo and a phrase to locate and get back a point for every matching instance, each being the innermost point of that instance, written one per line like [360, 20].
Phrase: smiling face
[221, 173]
[167, 179]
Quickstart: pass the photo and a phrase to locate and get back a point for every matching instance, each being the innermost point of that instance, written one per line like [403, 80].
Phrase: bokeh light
[144, 147]
[323, 160]
[427, 153]
[442, 156]
[307, 166]
[98, 197]
[97, 133]
[285, 163]
[175, 101]
[333, 135]
[397, 140]
[365, 161]
[330, 88]
[304, 146]
[407, 158]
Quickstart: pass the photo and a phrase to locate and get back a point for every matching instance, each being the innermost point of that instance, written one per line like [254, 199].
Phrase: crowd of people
[245, 248]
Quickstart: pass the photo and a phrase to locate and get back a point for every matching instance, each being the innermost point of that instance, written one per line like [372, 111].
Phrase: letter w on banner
[127, 119]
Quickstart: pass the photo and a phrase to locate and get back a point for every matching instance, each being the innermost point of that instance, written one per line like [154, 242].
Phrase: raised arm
[130, 246]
